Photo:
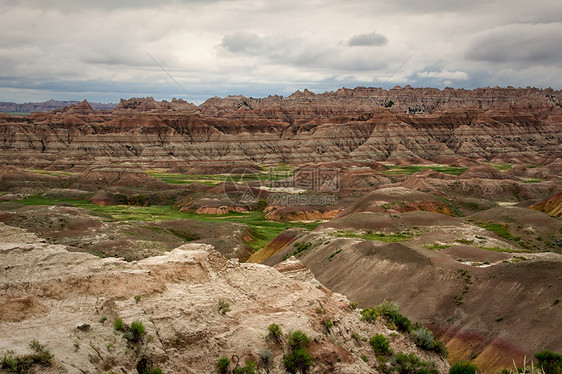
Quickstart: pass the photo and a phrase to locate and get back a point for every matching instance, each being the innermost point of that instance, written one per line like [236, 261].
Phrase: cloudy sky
[194, 49]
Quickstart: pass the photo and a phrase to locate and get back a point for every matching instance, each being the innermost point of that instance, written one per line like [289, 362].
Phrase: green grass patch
[370, 235]
[532, 180]
[55, 173]
[269, 174]
[263, 230]
[436, 247]
[501, 167]
[498, 249]
[498, 228]
[533, 166]
[18, 114]
[279, 168]
[409, 170]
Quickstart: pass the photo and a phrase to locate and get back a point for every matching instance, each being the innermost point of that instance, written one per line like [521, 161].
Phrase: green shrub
[135, 333]
[364, 358]
[297, 360]
[298, 339]
[249, 368]
[369, 315]
[391, 312]
[24, 364]
[549, 362]
[223, 365]
[152, 371]
[423, 338]
[300, 247]
[463, 367]
[224, 307]
[440, 348]
[275, 332]
[353, 305]
[411, 364]
[121, 199]
[328, 324]
[380, 345]
[118, 325]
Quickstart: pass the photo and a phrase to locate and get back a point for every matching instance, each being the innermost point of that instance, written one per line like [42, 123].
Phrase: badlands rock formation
[426, 193]
[448, 126]
[69, 301]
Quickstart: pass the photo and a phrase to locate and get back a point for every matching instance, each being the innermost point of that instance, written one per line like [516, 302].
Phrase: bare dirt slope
[491, 306]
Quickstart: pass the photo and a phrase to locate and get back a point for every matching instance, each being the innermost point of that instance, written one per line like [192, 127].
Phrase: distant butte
[412, 125]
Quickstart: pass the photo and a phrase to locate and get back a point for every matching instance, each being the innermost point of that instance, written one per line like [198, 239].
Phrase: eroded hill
[449, 126]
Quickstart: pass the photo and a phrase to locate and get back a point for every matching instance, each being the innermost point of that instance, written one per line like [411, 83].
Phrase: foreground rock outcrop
[69, 302]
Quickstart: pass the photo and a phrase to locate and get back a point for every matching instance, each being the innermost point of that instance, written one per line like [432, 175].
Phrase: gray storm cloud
[370, 39]
[520, 44]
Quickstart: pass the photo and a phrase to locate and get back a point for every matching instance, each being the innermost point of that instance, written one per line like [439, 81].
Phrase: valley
[304, 211]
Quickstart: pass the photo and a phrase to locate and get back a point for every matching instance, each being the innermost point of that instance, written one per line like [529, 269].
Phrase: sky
[105, 50]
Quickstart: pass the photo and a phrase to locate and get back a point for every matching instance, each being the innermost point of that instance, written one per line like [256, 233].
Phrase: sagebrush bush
[380, 345]
[266, 358]
[423, 338]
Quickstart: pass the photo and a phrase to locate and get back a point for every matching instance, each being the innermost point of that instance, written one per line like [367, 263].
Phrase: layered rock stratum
[415, 124]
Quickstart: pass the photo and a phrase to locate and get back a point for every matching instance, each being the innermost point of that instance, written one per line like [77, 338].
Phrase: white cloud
[444, 74]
